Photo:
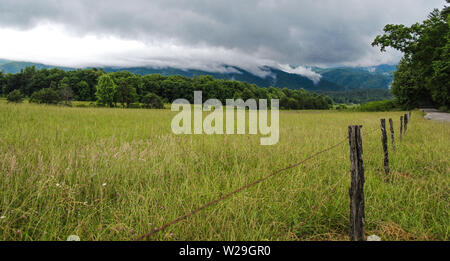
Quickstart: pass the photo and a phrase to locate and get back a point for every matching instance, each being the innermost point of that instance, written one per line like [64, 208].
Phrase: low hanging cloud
[300, 70]
[203, 34]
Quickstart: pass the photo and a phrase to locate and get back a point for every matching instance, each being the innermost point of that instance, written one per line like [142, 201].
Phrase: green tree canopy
[423, 73]
[125, 92]
[106, 90]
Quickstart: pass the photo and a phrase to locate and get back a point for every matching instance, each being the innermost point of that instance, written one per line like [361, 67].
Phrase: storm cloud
[204, 34]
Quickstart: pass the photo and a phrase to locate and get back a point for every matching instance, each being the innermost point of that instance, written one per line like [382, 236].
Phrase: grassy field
[113, 174]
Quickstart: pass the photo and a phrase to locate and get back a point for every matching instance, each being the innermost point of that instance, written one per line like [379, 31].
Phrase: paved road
[435, 115]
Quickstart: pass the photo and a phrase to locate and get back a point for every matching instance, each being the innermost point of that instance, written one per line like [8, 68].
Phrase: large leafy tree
[423, 73]
[84, 91]
[125, 92]
[106, 90]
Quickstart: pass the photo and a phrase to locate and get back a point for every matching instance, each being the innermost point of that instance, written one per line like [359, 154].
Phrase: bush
[152, 101]
[15, 96]
[134, 106]
[341, 107]
[46, 95]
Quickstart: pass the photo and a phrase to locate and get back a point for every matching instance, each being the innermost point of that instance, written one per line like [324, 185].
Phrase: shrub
[134, 106]
[46, 95]
[341, 107]
[152, 101]
[15, 96]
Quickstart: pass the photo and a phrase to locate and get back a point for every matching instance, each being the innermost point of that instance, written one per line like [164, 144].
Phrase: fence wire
[181, 218]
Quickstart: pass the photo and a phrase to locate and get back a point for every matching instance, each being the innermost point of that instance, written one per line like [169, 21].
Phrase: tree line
[123, 88]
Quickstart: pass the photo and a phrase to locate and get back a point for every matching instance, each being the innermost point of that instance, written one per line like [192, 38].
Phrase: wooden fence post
[356, 190]
[391, 126]
[385, 145]
[401, 127]
[409, 116]
[405, 118]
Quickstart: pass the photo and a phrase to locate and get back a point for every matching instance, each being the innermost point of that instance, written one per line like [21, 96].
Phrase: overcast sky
[203, 34]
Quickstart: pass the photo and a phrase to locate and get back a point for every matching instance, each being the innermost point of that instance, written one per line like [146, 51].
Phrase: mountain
[275, 77]
[335, 79]
[377, 77]
[383, 68]
[2, 61]
[7, 66]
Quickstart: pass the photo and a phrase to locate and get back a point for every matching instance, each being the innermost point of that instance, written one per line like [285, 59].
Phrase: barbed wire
[177, 220]
[328, 196]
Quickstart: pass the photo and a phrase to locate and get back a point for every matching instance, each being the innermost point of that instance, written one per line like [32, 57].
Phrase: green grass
[113, 174]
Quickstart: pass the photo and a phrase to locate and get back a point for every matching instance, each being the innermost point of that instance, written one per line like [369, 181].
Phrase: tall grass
[113, 174]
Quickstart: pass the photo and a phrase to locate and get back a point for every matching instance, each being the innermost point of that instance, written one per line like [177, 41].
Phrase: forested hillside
[358, 79]
[343, 84]
[333, 79]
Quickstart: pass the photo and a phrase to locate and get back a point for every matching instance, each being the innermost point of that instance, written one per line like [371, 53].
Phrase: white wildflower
[104, 184]
[58, 185]
[2, 217]
[73, 238]
[373, 238]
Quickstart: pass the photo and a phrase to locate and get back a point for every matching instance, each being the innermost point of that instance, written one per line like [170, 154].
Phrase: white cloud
[203, 34]
[52, 44]
[303, 71]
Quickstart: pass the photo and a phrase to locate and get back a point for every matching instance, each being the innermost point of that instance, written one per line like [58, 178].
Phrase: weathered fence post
[401, 127]
[391, 126]
[405, 118]
[409, 116]
[356, 190]
[385, 145]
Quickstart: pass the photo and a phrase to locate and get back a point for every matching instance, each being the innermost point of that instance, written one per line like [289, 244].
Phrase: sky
[204, 34]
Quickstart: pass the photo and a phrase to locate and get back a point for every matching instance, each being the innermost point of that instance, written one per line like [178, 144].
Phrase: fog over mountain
[204, 35]
[329, 79]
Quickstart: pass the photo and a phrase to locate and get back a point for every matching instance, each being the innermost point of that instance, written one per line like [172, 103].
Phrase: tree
[247, 94]
[125, 92]
[2, 83]
[422, 75]
[65, 92]
[84, 91]
[15, 96]
[152, 101]
[106, 89]
[46, 95]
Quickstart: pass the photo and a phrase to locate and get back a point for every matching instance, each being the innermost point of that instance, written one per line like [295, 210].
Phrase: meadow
[114, 174]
